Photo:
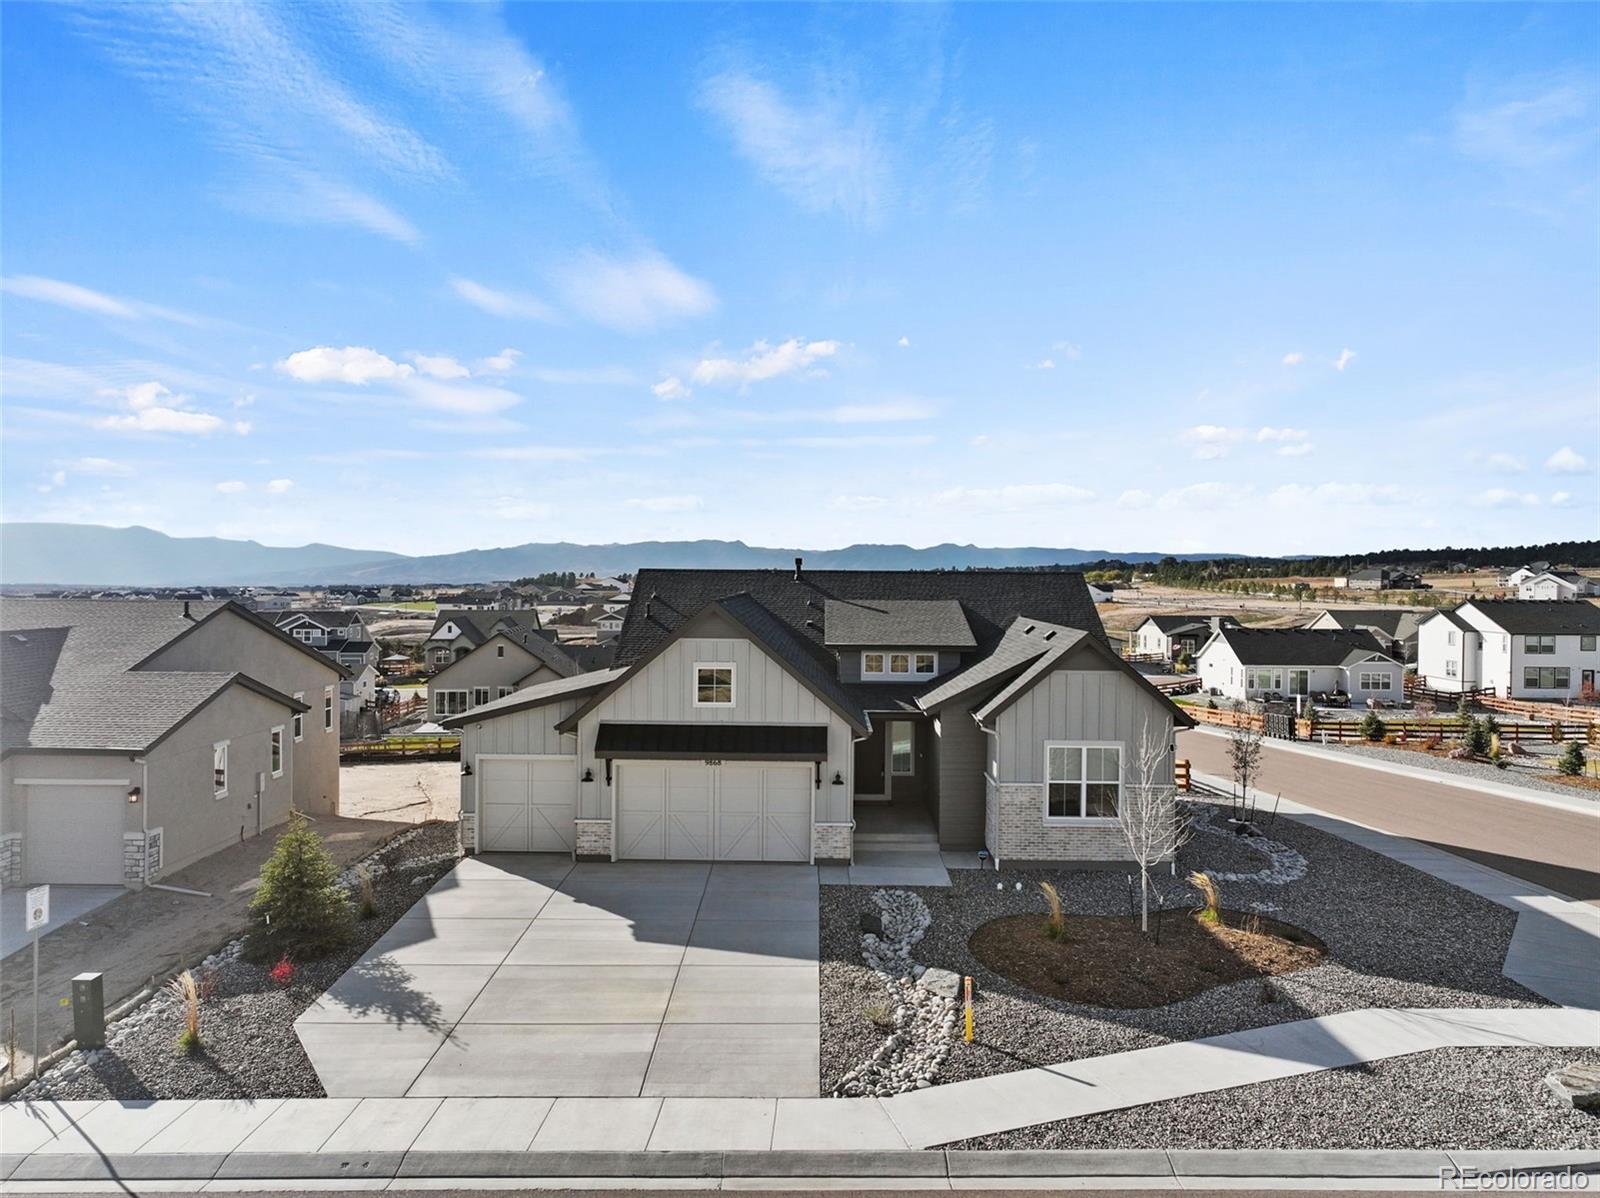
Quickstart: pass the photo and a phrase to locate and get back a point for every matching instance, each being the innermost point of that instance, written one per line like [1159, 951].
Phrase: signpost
[38, 916]
[967, 987]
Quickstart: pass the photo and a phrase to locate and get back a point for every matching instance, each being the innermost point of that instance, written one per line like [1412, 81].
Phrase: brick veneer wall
[593, 839]
[133, 858]
[1017, 833]
[467, 830]
[832, 843]
[11, 859]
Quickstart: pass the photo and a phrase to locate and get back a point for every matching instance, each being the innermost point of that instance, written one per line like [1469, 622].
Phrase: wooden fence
[1178, 686]
[1226, 717]
[1511, 732]
[398, 748]
[1180, 774]
[1574, 713]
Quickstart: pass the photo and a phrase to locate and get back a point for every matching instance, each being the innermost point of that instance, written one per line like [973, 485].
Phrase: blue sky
[1264, 279]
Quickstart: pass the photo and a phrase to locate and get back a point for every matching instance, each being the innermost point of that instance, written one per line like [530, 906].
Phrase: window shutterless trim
[1081, 820]
[327, 709]
[276, 747]
[733, 684]
[222, 791]
[299, 720]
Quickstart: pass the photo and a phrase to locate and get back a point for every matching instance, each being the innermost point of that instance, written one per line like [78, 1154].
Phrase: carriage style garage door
[527, 804]
[75, 834]
[689, 811]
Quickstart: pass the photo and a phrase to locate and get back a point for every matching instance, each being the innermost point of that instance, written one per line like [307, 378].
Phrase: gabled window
[1082, 781]
[898, 665]
[713, 684]
[449, 702]
[219, 770]
[1377, 680]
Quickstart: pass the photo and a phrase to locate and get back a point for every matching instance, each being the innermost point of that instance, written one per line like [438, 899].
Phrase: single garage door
[743, 811]
[527, 804]
[75, 834]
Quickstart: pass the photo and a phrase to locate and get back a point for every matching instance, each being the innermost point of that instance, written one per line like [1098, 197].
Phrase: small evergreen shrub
[1479, 739]
[1572, 759]
[1371, 726]
[300, 910]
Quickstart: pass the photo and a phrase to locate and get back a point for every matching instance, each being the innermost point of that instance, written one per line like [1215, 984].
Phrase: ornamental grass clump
[188, 994]
[1055, 923]
[299, 910]
[1209, 894]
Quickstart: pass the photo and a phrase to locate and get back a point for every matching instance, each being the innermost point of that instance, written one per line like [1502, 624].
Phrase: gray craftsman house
[760, 715]
[142, 735]
[486, 655]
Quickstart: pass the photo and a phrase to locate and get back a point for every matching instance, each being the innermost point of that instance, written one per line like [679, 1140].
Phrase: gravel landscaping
[1395, 937]
[1531, 771]
[1464, 1098]
[246, 1019]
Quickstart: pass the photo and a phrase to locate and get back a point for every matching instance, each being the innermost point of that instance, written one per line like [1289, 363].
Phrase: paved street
[526, 975]
[1549, 846]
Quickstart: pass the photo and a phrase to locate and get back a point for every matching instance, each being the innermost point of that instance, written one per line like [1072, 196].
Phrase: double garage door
[689, 811]
[527, 804]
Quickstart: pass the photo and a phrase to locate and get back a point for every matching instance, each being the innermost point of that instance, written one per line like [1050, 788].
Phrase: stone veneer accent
[133, 858]
[593, 839]
[1017, 833]
[832, 843]
[11, 859]
[467, 830]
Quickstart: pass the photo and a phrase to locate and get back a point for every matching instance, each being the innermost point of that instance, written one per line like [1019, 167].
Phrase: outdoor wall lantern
[838, 778]
[133, 794]
[466, 769]
[588, 774]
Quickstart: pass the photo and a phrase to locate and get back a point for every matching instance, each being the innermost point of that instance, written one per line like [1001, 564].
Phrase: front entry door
[1299, 682]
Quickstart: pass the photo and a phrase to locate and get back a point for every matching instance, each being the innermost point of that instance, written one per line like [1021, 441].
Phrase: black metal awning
[708, 741]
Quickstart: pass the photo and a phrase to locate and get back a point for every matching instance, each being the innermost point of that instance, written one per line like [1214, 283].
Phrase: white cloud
[1346, 356]
[668, 503]
[632, 294]
[1529, 131]
[583, 376]
[1327, 494]
[512, 507]
[279, 486]
[232, 487]
[671, 388]
[1501, 497]
[1204, 496]
[1561, 499]
[904, 343]
[83, 299]
[1212, 440]
[1293, 358]
[512, 305]
[1134, 499]
[1566, 460]
[764, 361]
[1282, 434]
[1297, 450]
[353, 364]
[440, 367]
[857, 503]
[979, 441]
[1014, 498]
[152, 408]
[1045, 364]
[467, 398]
[100, 467]
[1067, 350]
[880, 413]
[501, 362]
[1500, 463]
[822, 156]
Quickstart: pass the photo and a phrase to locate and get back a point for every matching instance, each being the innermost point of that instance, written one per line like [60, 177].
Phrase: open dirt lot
[409, 792]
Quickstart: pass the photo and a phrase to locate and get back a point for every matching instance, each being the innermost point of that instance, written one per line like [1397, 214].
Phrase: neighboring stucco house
[139, 737]
[754, 715]
[1520, 649]
[1395, 627]
[458, 631]
[511, 658]
[1281, 663]
[1169, 636]
[319, 627]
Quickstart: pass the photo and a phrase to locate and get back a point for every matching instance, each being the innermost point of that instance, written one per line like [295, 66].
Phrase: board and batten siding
[765, 692]
[1076, 705]
[531, 731]
[958, 790]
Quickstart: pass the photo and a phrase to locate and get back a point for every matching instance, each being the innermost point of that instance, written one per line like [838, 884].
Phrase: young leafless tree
[1244, 755]
[1148, 813]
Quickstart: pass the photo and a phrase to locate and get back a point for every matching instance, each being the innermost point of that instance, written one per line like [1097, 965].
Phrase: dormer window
[898, 665]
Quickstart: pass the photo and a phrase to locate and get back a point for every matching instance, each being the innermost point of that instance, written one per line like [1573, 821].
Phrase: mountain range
[98, 556]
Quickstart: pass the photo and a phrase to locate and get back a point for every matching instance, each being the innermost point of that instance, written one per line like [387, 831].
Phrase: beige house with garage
[142, 736]
[763, 715]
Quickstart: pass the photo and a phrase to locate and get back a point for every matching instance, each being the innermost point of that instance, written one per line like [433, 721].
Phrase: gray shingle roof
[1395, 622]
[543, 693]
[71, 681]
[1299, 646]
[1522, 617]
[477, 624]
[1024, 642]
[920, 623]
[1189, 621]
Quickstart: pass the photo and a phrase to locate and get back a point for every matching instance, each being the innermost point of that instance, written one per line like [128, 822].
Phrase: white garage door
[75, 834]
[692, 812]
[527, 804]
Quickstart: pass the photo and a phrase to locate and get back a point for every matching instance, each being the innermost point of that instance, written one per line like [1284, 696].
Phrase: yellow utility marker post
[967, 986]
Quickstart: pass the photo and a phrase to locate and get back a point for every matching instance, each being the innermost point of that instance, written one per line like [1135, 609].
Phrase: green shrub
[300, 910]
[1572, 759]
[1463, 709]
[1479, 737]
[1372, 727]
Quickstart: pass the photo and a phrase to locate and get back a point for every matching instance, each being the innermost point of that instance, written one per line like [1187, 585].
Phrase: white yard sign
[38, 907]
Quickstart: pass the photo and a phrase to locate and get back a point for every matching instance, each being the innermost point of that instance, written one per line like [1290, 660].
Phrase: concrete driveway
[526, 975]
[68, 904]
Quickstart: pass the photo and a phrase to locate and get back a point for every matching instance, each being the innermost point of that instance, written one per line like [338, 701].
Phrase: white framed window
[449, 702]
[219, 770]
[504, 691]
[480, 696]
[1547, 678]
[902, 748]
[276, 754]
[1450, 637]
[713, 684]
[441, 657]
[299, 721]
[885, 663]
[327, 709]
[1083, 780]
[1376, 680]
[1586, 644]
[1265, 680]
[1450, 667]
[1539, 644]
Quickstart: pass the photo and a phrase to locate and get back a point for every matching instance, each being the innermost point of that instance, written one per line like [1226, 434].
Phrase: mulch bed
[1106, 961]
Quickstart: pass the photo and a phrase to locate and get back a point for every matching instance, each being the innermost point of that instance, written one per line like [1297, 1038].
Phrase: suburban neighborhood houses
[1522, 649]
[1308, 664]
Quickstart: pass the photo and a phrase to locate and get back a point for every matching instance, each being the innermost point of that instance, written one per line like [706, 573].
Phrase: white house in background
[1098, 594]
[1267, 663]
[1522, 649]
[1167, 636]
[1557, 584]
[610, 621]
[1522, 573]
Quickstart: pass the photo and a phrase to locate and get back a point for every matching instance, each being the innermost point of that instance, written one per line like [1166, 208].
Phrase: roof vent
[1050, 634]
[186, 614]
[813, 624]
[798, 563]
[1028, 631]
